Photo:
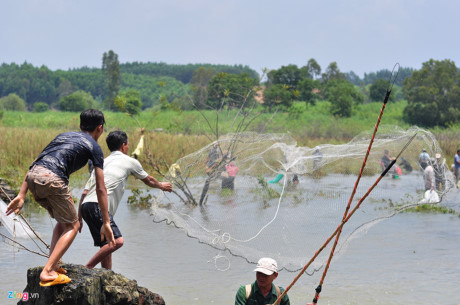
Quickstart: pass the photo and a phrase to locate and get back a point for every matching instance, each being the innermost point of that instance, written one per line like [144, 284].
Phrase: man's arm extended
[152, 182]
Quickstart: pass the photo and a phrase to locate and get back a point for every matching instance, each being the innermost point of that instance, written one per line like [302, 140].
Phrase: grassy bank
[310, 122]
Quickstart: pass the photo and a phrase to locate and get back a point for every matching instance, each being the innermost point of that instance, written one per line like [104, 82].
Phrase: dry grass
[20, 146]
[449, 141]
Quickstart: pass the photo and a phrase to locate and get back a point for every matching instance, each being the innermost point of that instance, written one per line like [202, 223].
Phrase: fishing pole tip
[393, 78]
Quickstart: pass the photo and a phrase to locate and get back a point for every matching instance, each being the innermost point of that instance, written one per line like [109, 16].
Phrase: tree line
[432, 93]
[155, 82]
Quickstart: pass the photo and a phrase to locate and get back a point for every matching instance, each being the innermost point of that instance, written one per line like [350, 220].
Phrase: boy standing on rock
[48, 179]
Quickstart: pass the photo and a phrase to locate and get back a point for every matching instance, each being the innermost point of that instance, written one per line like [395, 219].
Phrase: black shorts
[92, 215]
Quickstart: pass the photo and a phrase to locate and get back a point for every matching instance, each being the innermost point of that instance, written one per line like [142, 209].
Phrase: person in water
[317, 159]
[118, 167]
[228, 176]
[423, 159]
[214, 155]
[428, 176]
[48, 181]
[439, 173]
[405, 165]
[385, 160]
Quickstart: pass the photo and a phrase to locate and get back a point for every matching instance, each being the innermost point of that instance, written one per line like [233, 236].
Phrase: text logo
[22, 295]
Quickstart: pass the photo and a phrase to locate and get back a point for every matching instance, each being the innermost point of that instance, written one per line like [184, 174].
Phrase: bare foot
[48, 276]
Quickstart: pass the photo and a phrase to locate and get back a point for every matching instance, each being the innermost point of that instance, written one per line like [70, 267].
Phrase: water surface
[410, 258]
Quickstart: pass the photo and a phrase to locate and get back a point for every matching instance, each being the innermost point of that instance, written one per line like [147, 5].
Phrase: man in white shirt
[117, 168]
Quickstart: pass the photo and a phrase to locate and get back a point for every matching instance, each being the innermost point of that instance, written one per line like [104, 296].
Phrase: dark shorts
[92, 215]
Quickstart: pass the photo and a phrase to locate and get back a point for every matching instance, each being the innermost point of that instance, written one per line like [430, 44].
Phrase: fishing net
[286, 200]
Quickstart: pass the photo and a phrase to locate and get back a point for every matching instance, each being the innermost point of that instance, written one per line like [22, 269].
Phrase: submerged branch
[22, 246]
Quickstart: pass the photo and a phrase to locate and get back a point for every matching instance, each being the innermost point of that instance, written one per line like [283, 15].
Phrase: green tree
[353, 78]
[286, 75]
[183, 73]
[231, 90]
[277, 96]
[285, 85]
[111, 68]
[40, 107]
[12, 102]
[433, 94]
[76, 102]
[64, 88]
[332, 72]
[28, 82]
[378, 90]
[422, 114]
[313, 68]
[307, 88]
[342, 94]
[341, 105]
[92, 81]
[403, 73]
[129, 101]
[151, 88]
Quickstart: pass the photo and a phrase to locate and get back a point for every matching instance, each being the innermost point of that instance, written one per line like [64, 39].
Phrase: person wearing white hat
[262, 291]
[439, 173]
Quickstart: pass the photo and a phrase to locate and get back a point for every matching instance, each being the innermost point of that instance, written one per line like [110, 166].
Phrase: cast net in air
[284, 200]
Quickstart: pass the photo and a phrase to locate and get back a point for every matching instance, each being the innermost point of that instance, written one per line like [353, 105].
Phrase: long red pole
[346, 216]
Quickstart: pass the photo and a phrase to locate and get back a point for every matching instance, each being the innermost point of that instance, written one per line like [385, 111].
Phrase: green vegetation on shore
[311, 122]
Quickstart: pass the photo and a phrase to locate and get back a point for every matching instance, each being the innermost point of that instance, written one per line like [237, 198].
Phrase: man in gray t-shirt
[118, 166]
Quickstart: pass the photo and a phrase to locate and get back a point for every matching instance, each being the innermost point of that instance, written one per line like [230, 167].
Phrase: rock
[88, 287]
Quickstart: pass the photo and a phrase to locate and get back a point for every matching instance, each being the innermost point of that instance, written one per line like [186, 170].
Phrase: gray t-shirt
[117, 168]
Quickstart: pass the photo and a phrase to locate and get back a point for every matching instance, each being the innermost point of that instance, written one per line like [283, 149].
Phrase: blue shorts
[92, 215]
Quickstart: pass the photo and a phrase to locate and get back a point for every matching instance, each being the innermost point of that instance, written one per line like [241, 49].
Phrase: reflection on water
[410, 258]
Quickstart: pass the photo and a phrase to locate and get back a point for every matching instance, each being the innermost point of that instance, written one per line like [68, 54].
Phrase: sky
[362, 36]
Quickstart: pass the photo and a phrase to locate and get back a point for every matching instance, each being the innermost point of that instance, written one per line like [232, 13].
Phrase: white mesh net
[286, 200]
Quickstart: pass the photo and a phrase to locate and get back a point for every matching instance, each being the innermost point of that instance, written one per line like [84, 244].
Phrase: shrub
[76, 102]
[40, 107]
[12, 102]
